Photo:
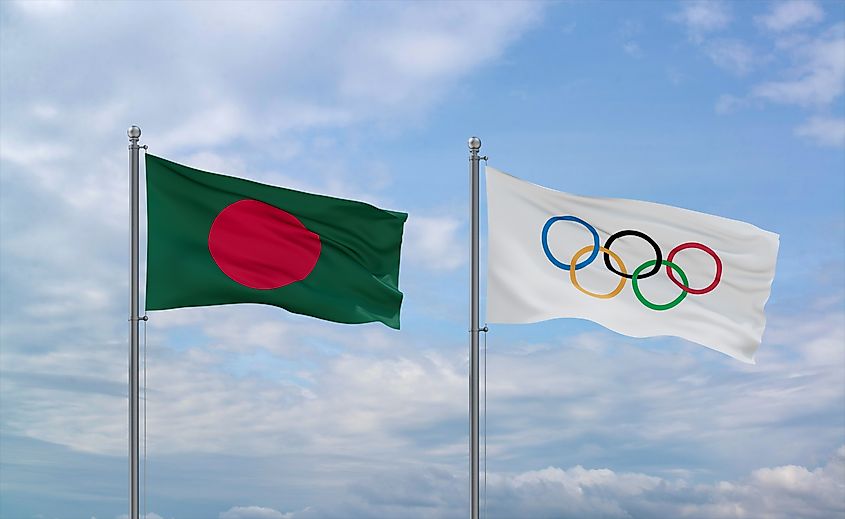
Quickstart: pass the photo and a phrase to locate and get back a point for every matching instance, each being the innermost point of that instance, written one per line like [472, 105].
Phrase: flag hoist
[474, 330]
[134, 134]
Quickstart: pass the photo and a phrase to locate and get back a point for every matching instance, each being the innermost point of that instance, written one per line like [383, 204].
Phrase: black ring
[630, 232]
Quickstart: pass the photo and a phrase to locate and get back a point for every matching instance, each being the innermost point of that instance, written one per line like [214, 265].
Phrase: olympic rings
[631, 232]
[685, 287]
[582, 289]
[646, 302]
[548, 252]
[622, 272]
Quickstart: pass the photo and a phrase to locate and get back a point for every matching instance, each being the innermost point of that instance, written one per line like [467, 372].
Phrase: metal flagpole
[474, 145]
[134, 134]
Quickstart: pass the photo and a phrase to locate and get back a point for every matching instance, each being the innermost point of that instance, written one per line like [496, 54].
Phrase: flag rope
[485, 330]
[145, 417]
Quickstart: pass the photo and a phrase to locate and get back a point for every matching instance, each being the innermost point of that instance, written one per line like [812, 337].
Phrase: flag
[638, 268]
[215, 239]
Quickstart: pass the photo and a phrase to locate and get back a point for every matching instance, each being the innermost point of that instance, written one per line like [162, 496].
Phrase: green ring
[646, 302]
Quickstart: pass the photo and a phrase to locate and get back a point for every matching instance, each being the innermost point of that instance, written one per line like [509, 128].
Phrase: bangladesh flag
[215, 239]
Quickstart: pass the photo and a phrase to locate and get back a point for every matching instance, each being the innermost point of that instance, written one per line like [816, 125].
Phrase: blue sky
[734, 109]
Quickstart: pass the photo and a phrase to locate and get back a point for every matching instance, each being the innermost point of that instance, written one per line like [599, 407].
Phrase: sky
[728, 108]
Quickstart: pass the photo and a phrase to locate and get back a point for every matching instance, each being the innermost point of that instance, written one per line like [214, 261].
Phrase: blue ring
[575, 219]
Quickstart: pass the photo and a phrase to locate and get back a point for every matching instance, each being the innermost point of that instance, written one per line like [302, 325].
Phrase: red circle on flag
[261, 246]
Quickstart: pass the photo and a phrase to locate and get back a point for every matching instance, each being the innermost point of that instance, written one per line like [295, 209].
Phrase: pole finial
[474, 143]
[133, 132]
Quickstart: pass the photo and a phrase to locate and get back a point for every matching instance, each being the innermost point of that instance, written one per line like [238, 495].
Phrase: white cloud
[577, 492]
[232, 390]
[826, 131]
[675, 76]
[731, 55]
[283, 392]
[814, 79]
[43, 7]
[773, 493]
[386, 413]
[629, 31]
[703, 16]
[45, 112]
[568, 28]
[782, 492]
[260, 74]
[278, 386]
[632, 49]
[434, 242]
[791, 14]
[702, 19]
[818, 75]
[727, 103]
[195, 91]
[255, 512]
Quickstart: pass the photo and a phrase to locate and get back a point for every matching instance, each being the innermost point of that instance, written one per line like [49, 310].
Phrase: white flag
[640, 269]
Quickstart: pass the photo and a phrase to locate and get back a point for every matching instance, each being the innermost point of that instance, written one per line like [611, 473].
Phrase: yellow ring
[619, 264]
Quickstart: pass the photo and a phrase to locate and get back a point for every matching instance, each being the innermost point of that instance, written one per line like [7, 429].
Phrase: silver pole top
[133, 132]
[474, 143]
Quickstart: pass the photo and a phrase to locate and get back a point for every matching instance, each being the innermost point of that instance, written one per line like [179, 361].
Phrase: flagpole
[134, 134]
[474, 145]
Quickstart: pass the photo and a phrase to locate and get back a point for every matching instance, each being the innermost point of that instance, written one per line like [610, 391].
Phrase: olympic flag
[638, 268]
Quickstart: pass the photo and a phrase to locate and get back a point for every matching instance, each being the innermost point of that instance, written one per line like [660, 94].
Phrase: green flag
[215, 239]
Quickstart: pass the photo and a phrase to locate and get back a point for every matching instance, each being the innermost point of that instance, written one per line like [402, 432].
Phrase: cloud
[221, 395]
[632, 49]
[328, 405]
[813, 78]
[435, 242]
[772, 493]
[727, 103]
[369, 391]
[194, 93]
[558, 493]
[791, 14]
[44, 7]
[252, 80]
[781, 492]
[276, 94]
[702, 19]
[374, 424]
[825, 131]
[385, 63]
[817, 76]
[255, 512]
[732, 55]
[629, 31]
[703, 16]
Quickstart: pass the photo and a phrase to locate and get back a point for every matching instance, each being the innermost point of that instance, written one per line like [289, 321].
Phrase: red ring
[708, 250]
